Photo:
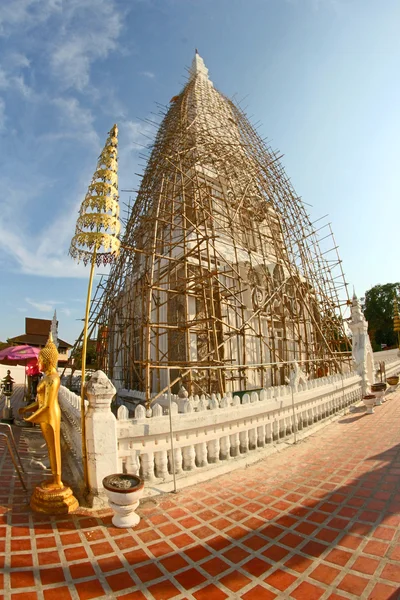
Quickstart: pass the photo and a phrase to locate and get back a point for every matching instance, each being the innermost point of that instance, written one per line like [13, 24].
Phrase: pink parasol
[18, 355]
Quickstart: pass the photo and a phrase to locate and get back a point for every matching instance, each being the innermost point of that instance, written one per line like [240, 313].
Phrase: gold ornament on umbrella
[96, 239]
[98, 224]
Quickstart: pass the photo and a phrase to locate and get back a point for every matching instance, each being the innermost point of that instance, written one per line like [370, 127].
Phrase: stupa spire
[198, 68]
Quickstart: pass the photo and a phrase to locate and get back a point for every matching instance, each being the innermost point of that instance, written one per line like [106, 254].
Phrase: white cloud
[24, 15]
[43, 306]
[81, 32]
[4, 81]
[134, 135]
[76, 121]
[148, 74]
[2, 114]
[18, 60]
[90, 32]
[10, 80]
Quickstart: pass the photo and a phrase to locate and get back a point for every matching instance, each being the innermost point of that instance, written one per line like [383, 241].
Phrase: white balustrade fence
[208, 431]
[71, 431]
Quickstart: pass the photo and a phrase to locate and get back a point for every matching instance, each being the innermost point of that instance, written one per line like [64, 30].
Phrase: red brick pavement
[318, 520]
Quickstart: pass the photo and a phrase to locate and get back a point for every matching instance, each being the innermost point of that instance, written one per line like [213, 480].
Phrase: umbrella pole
[83, 369]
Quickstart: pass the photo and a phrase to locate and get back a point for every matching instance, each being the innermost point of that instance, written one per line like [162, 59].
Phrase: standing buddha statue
[51, 497]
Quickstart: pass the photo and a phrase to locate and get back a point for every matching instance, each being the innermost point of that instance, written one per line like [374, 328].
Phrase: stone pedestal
[53, 501]
[101, 436]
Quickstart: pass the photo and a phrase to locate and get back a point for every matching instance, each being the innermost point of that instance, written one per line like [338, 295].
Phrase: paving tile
[190, 578]
[255, 542]
[218, 542]
[90, 589]
[75, 553]
[384, 533]
[48, 558]
[235, 581]
[314, 548]
[137, 595]
[324, 574]
[298, 563]
[120, 581]
[148, 572]
[307, 591]
[353, 584]
[275, 553]
[164, 590]
[18, 545]
[365, 565]
[22, 579]
[391, 572]
[210, 592]
[280, 580]
[338, 557]
[174, 563]
[136, 556]
[259, 593]
[59, 593]
[215, 566]
[350, 541]
[81, 570]
[182, 540]
[111, 563]
[197, 553]
[382, 591]
[44, 542]
[21, 560]
[256, 567]
[291, 539]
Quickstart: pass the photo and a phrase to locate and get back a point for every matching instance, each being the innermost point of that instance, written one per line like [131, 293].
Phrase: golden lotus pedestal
[53, 501]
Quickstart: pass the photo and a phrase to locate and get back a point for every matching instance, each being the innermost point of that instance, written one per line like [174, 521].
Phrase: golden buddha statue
[48, 414]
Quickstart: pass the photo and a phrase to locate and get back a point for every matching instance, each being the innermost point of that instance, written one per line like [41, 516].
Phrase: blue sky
[321, 76]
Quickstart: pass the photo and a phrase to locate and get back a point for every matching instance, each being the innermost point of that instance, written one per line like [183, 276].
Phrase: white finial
[54, 329]
[198, 68]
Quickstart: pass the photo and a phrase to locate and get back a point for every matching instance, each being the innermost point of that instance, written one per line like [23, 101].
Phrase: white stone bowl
[124, 500]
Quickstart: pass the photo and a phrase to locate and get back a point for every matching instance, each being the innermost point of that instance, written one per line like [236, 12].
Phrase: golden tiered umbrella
[396, 320]
[96, 238]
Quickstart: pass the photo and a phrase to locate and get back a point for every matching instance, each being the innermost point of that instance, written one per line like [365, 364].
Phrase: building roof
[37, 326]
[37, 340]
[37, 333]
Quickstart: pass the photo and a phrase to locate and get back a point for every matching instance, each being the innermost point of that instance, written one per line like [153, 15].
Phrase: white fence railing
[201, 433]
[208, 431]
[71, 423]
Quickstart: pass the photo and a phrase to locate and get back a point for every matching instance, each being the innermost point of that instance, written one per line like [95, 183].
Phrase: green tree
[378, 310]
[91, 356]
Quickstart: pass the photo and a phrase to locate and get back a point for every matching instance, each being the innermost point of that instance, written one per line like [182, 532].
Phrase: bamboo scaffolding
[220, 263]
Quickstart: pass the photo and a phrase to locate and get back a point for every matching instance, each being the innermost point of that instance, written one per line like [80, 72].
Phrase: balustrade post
[213, 450]
[177, 458]
[252, 439]
[225, 446]
[234, 439]
[147, 464]
[201, 454]
[161, 464]
[101, 436]
[261, 436]
[243, 441]
[189, 458]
